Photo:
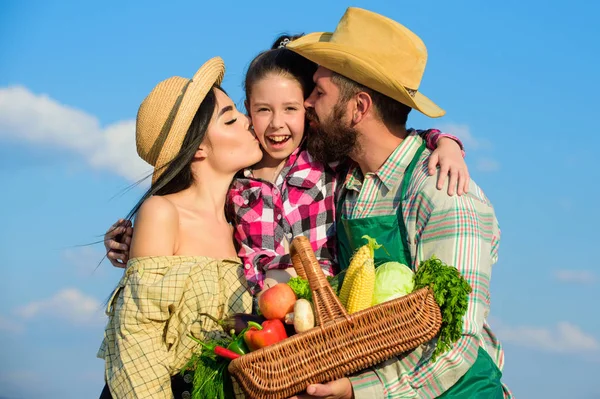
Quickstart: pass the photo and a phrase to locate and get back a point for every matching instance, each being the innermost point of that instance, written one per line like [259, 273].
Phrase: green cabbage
[392, 280]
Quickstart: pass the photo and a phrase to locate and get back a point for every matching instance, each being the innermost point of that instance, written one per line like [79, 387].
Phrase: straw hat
[167, 113]
[376, 52]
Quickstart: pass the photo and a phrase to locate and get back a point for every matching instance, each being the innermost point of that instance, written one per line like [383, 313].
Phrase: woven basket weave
[341, 344]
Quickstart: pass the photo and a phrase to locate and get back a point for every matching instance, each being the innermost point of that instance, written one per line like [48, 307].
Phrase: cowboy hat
[166, 114]
[376, 52]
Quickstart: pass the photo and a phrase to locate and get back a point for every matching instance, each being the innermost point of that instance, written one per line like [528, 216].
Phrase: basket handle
[327, 305]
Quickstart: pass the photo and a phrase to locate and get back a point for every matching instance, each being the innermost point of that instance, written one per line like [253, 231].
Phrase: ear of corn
[359, 283]
[363, 286]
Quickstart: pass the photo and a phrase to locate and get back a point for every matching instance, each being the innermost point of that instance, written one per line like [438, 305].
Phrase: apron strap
[399, 214]
[404, 188]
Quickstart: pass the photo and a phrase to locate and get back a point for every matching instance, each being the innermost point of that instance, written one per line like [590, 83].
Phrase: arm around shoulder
[156, 226]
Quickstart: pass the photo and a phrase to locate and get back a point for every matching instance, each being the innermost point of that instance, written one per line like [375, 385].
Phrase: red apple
[277, 301]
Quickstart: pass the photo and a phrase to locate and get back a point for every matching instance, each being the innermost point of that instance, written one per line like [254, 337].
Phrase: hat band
[166, 128]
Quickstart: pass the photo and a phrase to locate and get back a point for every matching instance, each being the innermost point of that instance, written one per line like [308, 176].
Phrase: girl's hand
[448, 155]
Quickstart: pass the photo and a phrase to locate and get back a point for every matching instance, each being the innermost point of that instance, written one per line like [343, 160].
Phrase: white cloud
[10, 325]
[68, 304]
[472, 144]
[39, 119]
[487, 165]
[575, 276]
[463, 132]
[21, 377]
[564, 337]
[84, 260]
[22, 384]
[566, 204]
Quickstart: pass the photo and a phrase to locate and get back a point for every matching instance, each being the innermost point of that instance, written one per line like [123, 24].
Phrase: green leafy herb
[451, 292]
[211, 378]
[301, 288]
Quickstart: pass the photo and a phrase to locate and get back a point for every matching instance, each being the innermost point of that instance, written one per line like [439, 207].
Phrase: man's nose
[310, 101]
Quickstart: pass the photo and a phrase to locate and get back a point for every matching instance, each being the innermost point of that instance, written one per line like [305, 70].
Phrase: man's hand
[338, 389]
[449, 157]
[117, 241]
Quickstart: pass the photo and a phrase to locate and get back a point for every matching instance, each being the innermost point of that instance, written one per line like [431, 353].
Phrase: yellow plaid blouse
[152, 311]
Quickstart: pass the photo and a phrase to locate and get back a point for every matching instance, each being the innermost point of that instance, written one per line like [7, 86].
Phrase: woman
[183, 261]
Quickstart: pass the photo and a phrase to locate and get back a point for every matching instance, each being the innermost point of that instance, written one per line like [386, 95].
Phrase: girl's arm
[447, 153]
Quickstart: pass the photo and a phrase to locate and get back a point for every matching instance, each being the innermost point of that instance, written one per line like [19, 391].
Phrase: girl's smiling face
[277, 111]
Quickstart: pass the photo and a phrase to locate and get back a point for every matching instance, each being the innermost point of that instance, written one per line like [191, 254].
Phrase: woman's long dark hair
[177, 175]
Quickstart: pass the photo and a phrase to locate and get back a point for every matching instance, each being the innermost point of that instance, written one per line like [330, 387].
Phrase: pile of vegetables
[286, 309]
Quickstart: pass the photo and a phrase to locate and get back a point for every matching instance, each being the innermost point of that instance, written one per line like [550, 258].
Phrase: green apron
[483, 378]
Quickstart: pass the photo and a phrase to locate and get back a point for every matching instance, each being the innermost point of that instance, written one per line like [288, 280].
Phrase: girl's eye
[231, 122]
[262, 110]
[291, 109]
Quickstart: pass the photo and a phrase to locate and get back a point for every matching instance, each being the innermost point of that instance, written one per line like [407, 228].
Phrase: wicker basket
[341, 344]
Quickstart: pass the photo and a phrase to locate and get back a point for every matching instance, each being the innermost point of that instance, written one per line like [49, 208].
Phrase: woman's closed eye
[231, 122]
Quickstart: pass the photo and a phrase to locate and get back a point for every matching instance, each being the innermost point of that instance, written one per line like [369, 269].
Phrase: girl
[183, 261]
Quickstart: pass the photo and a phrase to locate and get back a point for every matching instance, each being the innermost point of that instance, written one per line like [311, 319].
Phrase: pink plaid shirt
[267, 216]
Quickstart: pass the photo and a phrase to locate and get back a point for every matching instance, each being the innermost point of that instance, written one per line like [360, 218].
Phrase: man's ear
[363, 104]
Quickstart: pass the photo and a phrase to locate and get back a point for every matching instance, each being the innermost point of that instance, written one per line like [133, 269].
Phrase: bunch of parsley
[451, 292]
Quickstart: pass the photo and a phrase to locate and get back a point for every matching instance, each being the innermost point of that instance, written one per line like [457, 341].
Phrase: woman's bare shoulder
[157, 209]
[156, 228]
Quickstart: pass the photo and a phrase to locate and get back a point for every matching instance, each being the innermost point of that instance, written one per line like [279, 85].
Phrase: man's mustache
[311, 115]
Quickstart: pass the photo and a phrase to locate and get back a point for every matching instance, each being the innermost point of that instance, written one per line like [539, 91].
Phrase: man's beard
[330, 140]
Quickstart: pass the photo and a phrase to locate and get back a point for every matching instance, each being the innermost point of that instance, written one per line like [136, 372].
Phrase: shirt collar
[392, 169]
[291, 160]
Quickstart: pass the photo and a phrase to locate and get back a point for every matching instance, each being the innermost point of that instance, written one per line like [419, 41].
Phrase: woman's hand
[449, 156]
[117, 241]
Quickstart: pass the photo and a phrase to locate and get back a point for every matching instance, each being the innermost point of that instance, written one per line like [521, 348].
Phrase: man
[367, 83]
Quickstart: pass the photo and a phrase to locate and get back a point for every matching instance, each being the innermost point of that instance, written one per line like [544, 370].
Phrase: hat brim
[209, 74]
[346, 61]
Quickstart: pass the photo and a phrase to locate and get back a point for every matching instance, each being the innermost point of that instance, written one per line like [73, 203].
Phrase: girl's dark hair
[177, 175]
[280, 60]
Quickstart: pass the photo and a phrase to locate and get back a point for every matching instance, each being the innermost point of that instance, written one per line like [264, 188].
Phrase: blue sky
[518, 81]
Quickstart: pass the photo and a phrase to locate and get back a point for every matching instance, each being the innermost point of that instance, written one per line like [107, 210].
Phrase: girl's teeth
[278, 139]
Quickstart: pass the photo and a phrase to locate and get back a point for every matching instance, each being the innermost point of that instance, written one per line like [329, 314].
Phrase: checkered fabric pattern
[154, 309]
[267, 217]
[461, 231]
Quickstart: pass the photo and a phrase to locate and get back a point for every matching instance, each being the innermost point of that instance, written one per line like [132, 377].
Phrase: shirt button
[359, 208]
[278, 217]
[247, 266]
[246, 202]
